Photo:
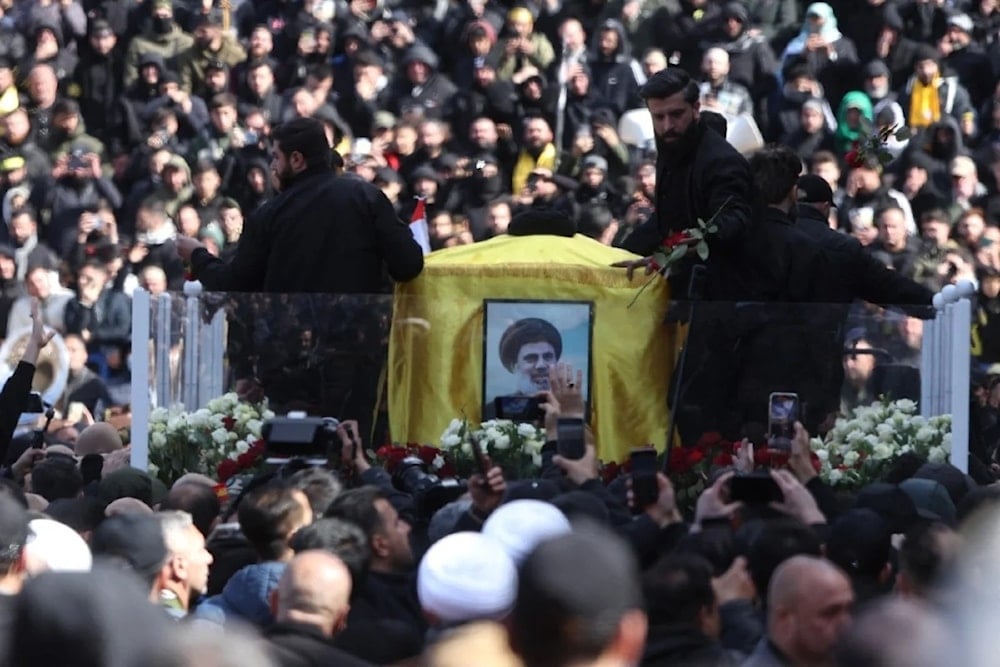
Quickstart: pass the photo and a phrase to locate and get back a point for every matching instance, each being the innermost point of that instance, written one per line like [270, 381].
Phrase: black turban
[522, 332]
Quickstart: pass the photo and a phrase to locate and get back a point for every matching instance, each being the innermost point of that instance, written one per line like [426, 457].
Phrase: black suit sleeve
[729, 187]
[246, 271]
[645, 239]
[12, 402]
[881, 285]
[403, 256]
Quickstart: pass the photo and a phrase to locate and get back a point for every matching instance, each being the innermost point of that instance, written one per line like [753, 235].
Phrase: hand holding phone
[570, 438]
[782, 413]
[755, 489]
[645, 489]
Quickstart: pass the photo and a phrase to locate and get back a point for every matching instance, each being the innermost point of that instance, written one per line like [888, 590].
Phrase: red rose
[723, 459]
[695, 456]
[189, 275]
[678, 460]
[427, 453]
[229, 423]
[762, 456]
[854, 159]
[383, 452]
[610, 472]
[654, 265]
[447, 470]
[675, 240]
[227, 469]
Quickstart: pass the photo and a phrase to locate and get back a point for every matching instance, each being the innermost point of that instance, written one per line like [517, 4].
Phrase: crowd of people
[128, 127]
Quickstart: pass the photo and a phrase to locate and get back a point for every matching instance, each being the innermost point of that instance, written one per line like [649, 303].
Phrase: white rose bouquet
[517, 448]
[861, 448]
[219, 440]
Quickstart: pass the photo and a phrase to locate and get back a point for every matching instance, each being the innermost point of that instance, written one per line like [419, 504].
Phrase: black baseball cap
[135, 538]
[814, 189]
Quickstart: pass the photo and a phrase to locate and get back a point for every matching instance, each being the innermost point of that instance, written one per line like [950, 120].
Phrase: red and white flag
[418, 226]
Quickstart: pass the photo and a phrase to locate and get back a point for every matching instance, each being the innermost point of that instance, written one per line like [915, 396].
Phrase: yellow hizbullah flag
[439, 337]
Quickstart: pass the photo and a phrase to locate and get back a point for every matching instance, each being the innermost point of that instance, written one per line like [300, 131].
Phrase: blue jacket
[245, 596]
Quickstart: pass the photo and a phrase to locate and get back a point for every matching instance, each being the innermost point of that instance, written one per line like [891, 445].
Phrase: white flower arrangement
[516, 447]
[860, 448]
[199, 441]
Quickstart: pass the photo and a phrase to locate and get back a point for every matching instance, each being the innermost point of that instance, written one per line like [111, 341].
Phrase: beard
[282, 180]
[529, 384]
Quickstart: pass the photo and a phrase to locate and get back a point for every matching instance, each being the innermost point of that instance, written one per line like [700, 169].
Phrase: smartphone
[34, 405]
[519, 408]
[77, 161]
[645, 489]
[782, 413]
[754, 489]
[569, 437]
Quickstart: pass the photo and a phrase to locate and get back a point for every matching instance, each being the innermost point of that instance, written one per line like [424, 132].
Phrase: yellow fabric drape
[925, 103]
[436, 343]
[527, 164]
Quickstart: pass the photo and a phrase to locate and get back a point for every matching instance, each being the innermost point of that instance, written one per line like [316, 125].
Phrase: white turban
[466, 577]
[55, 547]
[521, 525]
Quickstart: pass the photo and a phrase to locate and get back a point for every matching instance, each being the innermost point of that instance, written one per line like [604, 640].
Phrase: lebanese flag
[418, 226]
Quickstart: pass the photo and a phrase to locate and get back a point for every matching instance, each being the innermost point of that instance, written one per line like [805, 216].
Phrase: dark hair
[859, 543]
[677, 589]
[922, 556]
[320, 71]
[220, 100]
[668, 82]
[55, 478]
[80, 514]
[776, 171]
[259, 64]
[320, 487]
[935, 215]
[305, 136]
[198, 500]
[25, 209]
[13, 532]
[358, 507]
[777, 541]
[594, 220]
[343, 539]
[267, 516]
[558, 621]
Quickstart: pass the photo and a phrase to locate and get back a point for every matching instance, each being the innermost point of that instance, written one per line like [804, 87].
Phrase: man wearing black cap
[421, 85]
[162, 37]
[210, 45]
[752, 63]
[99, 76]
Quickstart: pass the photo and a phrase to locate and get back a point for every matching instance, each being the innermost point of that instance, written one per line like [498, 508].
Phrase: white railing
[202, 360]
[945, 365]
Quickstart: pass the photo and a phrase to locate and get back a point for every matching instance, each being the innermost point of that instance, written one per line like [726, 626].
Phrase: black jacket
[855, 274]
[323, 234]
[301, 645]
[385, 624]
[109, 320]
[699, 176]
[684, 645]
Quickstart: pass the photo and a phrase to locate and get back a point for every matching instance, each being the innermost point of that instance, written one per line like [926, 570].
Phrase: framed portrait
[522, 340]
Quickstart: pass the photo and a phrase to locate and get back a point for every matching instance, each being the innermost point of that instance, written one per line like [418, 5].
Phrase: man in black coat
[322, 234]
[699, 175]
[310, 606]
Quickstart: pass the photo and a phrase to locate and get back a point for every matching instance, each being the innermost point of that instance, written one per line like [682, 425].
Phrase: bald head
[715, 65]
[99, 438]
[314, 589]
[809, 605]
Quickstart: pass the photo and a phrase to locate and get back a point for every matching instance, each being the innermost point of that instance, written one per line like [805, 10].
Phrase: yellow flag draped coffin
[436, 349]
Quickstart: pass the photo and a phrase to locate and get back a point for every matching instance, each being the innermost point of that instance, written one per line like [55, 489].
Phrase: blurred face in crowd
[672, 116]
[573, 36]
[647, 180]
[936, 231]
[7, 267]
[22, 228]
[418, 72]
[877, 87]
[217, 80]
[16, 126]
[608, 42]
[733, 27]
[232, 223]
[149, 219]
[499, 217]
[715, 65]
[520, 26]
[154, 280]
[431, 135]
[579, 84]
[77, 352]
[808, 626]
[911, 330]
[858, 367]
[970, 228]
[829, 171]
[485, 76]
[593, 177]
[392, 538]
[406, 139]
[224, 118]
[990, 287]
[150, 74]
[206, 184]
[926, 70]
[425, 187]
[261, 43]
[37, 283]
[260, 79]
[537, 134]
[67, 122]
[441, 225]
[532, 370]
[304, 103]
[916, 178]
[104, 43]
[188, 221]
[812, 119]
[964, 184]
[892, 229]
[90, 283]
[655, 61]
[6, 78]
[257, 179]
[483, 133]
[43, 86]
[207, 36]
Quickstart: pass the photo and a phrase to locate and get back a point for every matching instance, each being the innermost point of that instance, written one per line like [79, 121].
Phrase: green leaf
[701, 223]
[676, 254]
[702, 250]
[903, 133]
[696, 233]
[660, 258]
[712, 229]
[884, 158]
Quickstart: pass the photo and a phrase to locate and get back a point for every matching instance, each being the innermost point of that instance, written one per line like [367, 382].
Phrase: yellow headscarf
[925, 103]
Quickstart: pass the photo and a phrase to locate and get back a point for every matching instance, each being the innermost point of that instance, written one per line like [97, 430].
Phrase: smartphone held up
[783, 410]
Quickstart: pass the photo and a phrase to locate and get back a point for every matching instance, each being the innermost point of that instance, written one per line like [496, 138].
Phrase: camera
[429, 492]
[310, 439]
